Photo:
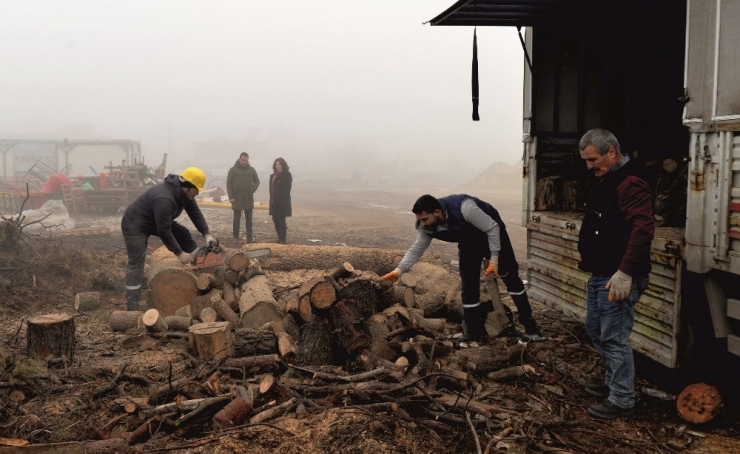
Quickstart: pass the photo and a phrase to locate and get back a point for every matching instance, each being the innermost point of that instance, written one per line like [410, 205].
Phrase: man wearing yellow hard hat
[154, 213]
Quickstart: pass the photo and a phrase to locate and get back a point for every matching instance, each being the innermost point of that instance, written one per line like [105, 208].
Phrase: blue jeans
[609, 324]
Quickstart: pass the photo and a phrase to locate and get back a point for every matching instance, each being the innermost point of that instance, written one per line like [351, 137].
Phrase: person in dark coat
[154, 213]
[281, 182]
[241, 184]
[480, 234]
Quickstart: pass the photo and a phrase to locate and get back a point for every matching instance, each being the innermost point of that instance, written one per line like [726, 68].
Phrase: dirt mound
[498, 177]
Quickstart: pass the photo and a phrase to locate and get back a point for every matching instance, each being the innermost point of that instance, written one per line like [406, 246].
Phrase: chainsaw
[213, 256]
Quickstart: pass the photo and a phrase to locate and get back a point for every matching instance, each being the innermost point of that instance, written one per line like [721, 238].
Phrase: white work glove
[393, 276]
[619, 286]
[492, 267]
[185, 258]
[210, 240]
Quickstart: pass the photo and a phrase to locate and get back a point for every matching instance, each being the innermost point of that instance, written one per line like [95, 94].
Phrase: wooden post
[51, 334]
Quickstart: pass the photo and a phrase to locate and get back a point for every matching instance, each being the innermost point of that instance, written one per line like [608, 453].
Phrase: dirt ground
[545, 410]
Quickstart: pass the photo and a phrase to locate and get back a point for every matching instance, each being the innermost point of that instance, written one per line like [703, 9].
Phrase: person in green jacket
[241, 184]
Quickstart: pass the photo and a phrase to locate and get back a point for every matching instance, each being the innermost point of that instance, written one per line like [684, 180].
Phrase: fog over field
[361, 90]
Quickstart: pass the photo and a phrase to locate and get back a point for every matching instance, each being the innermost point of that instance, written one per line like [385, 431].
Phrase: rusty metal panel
[555, 280]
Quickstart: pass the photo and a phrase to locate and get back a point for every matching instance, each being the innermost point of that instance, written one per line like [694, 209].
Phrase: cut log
[364, 295]
[349, 325]
[699, 403]
[207, 281]
[488, 358]
[51, 334]
[408, 279]
[237, 260]
[224, 311]
[316, 347]
[432, 304]
[213, 340]
[431, 324]
[291, 306]
[257, 304]
[546, 195]
[291, 327]
[286, 347]
[295, 256]
[184, 311]
[208, 315]
[253, 362]
[510, 373]
[124, 320]
[170, 285]
[252, 342]
[177, 323]
[154, 322]
[404, 295]
[87, 301]
[233, 414]
[232, 277]
[304, 308]
[343, 271]
[229, 296]
[305, 288]
[323, 295]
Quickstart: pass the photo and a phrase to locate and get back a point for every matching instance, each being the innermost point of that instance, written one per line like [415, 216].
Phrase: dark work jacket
[153, 212]
[280, 185]
[605, 232]
[467, 236]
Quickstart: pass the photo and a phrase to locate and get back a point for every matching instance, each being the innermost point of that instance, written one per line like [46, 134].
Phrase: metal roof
[518, 13]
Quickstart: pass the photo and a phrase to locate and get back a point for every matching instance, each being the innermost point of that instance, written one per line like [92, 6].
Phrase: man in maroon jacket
[614, 243]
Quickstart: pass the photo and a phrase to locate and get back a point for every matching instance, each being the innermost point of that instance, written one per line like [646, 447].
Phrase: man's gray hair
[601, 139]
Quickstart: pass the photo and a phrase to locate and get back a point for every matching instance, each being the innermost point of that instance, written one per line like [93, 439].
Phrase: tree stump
[699, 403]
[87, 301]
[364, 295]
[51, 334]
[212, 340]
[124, 320]
[170, 285]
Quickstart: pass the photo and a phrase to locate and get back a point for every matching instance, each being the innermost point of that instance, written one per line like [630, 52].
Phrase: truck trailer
[664, 77]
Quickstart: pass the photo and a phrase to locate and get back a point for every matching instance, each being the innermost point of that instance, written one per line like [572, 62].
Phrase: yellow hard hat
[194, 176]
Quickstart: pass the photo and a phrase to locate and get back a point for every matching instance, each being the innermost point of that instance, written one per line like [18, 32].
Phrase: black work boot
[474, 319]
[132, 299]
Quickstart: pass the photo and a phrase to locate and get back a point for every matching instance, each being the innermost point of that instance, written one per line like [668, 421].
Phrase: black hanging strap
[474, 80]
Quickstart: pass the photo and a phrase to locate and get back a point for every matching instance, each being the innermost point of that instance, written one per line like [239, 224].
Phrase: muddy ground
[546, 410]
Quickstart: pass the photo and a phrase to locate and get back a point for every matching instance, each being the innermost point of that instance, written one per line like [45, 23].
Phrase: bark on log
[699, 403]
[431, 324]
[404, 295]
[432, 304]
[291, 306]
[345, 270]
[124, 320]
[253, 342]
[286, 347]
[229, 296]
[51, 334]
[273, 412]
[364, 295]
[377, 326]
[166, 392]
[208, 315]
[231, 276]
[87, 301]
[224, 311]
[262, 361]
[295, 256]
[546, 195]
[213, 340]
[170, 285]
[257, 303]
[291, 327]
[316, 347]
[233, 414]
[304, 308]
[154, 322]
[373, 361]
[510, 373]
[349, 325]
[176, 323]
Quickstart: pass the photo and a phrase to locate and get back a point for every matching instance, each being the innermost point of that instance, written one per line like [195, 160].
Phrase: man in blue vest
[480, 234]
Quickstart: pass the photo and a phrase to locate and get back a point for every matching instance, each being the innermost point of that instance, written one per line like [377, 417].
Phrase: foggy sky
[311, 78]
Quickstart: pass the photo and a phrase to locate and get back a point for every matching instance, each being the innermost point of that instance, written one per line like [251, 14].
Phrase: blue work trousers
[609, 324]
